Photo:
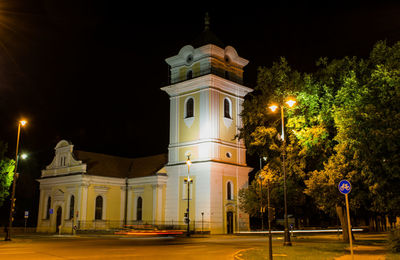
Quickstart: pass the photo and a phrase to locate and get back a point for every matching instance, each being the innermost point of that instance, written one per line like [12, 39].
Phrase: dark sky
[90, 71]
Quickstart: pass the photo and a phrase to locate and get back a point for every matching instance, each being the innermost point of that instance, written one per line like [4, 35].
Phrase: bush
[395, 240]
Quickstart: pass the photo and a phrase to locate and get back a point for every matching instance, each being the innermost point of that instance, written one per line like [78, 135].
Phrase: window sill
[228, 122]
[188, 121]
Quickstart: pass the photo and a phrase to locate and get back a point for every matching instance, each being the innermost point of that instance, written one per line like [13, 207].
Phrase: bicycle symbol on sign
[344, 187]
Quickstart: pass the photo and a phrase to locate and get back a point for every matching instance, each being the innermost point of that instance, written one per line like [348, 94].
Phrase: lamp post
[261, 177]
[12, 206]
[202, 222]
[290, 103]
[269, 222]
[188, 163]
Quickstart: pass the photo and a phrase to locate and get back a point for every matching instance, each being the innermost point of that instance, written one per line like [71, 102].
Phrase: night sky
[90, 71]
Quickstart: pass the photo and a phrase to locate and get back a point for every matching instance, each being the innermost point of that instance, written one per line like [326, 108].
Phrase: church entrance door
[58, 219]
[229, 222]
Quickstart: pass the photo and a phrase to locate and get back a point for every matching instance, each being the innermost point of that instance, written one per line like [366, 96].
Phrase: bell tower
[206, 96]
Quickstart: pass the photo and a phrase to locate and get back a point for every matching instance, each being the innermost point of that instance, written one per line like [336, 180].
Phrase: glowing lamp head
[291, 102]
[23, 122]
[24, 156]
[273, 108]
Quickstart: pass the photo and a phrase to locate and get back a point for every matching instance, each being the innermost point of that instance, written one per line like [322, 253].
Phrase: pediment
[64, 161]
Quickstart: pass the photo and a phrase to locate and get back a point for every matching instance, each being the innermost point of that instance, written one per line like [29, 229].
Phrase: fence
[112, 225]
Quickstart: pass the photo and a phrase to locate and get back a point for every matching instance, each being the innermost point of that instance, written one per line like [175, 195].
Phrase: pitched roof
[114, 166]
[207, 36]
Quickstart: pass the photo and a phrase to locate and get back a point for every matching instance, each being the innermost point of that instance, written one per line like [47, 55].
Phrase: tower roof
[207, 36]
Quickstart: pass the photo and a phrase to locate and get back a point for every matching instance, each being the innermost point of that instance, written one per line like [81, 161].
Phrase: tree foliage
[262, 134]
[366, 116]
[346, 125]
[6, 173]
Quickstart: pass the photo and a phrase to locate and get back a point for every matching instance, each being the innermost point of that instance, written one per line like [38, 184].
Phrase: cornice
[156, 179]
[209, 81]
[236, 145]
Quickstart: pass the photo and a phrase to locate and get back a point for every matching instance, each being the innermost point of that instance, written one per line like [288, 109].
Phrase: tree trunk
[371, 224]
[343, 222]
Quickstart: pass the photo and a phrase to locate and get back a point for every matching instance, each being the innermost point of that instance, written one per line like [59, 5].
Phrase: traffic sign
[344, 186]
[26, 214]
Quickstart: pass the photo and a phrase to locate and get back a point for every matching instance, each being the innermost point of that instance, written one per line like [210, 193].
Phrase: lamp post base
[8, 235]
[287, 241]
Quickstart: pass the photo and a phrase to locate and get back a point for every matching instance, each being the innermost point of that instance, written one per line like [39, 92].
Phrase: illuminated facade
[206, 98]
[99, 192]
[96, 191]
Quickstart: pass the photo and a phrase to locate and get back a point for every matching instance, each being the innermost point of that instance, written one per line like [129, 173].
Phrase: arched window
[189, 108]
[71, 207]
[99, 208]
[229, 190]
[189, 74]
[227, 75]
[48, 207]
[227, 108]
[139, 208]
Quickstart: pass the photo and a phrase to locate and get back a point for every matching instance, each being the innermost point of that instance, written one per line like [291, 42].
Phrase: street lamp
[290, 103]
[12, 206]
[188, 180]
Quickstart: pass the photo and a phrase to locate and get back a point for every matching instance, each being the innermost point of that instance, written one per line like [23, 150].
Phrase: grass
[393, 256]
[307, 248]
[310, 247]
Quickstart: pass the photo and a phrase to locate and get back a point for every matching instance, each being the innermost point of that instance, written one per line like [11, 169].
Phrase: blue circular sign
[344, 186]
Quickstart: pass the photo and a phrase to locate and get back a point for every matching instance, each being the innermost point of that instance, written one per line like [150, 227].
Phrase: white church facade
[96, 191]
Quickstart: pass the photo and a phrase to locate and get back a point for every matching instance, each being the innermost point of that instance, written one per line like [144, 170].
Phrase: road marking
[15, 253]
[197, 246]
[146, 238]
[238, 255]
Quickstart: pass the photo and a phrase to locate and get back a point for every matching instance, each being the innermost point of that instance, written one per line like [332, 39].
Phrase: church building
[200, 177]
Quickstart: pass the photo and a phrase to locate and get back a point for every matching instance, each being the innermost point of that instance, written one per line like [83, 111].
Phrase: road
[119, 247]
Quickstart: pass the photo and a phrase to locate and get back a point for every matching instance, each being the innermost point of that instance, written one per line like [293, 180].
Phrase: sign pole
[349, 226]
[345, 188]
[26, 215]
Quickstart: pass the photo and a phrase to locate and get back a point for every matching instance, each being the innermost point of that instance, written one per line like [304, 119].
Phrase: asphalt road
[119, 247]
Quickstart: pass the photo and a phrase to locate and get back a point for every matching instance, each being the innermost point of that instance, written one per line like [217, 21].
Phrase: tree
[253, 198]
[345, 126]
[366, 116]
[6, 173]
[261, 132]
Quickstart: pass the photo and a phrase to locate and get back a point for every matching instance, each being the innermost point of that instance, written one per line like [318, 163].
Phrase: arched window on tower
[227, 75]
[48, 207]
[139, 208]
[227, 108]
[71, 207]
[189, 74]
[229, 191]
[189, 108]
[99, 208]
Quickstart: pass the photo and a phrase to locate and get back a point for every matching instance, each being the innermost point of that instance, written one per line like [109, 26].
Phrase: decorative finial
[206, 22]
